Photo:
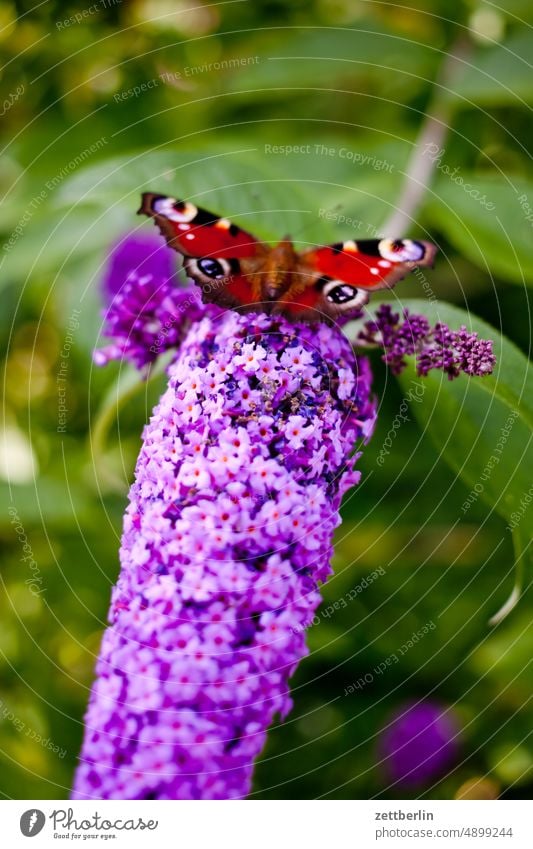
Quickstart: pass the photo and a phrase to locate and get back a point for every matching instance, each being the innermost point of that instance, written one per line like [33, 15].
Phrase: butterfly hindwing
[223, 282]
[316, 297]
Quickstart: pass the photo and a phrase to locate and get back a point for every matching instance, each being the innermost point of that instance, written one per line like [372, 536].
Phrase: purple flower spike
[438, 347]
[148, 311]
[226, 539]
[419, 744]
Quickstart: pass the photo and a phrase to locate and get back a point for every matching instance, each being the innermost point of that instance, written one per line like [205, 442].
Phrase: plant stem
[432, 134]
[521, 553]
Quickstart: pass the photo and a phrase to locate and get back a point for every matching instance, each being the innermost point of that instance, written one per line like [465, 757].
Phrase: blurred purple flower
[141, 253]
[438, 347]
[419, 744]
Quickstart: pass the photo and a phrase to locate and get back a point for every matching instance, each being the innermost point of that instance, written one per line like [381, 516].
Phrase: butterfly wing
[314, 297]
[371, 264]
[213, 249]
[193, 231]
[337, 279]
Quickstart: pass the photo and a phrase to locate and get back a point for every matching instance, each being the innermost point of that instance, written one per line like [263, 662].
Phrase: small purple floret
[438, 347]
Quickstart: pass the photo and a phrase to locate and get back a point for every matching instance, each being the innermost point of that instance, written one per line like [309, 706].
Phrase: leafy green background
[349, 83]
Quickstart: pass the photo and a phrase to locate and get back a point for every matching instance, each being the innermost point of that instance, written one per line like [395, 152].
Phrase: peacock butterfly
[236, 270]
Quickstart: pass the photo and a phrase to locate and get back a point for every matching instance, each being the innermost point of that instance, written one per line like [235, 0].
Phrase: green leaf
[238, 183]
[486, 219]
[522, 557]
[269, 194]
[520, 9]
[284, 189]
[98, 203]
[468, 418]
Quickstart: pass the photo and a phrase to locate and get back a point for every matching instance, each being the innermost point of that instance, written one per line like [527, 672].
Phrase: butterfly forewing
[371, 264]
[196, 232]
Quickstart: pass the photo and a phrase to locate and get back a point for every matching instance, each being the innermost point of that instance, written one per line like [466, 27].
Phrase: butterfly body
[237, 271]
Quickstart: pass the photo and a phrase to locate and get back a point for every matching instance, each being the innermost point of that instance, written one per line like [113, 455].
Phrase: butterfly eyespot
[401, 250]
[213, 268]
[207, 269]
[175, 210]
[343, 295]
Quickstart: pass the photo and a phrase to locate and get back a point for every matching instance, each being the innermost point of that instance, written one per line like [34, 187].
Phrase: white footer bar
[268, 825]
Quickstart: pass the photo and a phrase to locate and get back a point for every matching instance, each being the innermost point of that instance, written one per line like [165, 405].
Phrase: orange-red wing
[195, 232]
